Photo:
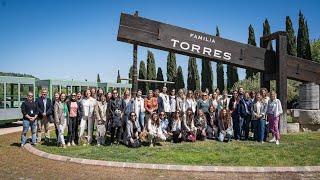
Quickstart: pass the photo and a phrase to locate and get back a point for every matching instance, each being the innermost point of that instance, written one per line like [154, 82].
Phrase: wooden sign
[149, 33]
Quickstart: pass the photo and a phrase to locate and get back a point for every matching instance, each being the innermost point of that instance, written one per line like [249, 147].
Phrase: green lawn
[294, 150]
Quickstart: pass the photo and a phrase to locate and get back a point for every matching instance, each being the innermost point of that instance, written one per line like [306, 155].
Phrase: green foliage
[303, 42]
[251, 41]
[17, 75]
[98, 78]
[206, 75]
[220, 70]
[118, 77]
[179, 80]
[151, 70]
[193, 80]
[315, 50]
[266, 31]
[171, 69]
[130, 75]
[291, 38]
[301, 149]
[142, 75]
[159, 78]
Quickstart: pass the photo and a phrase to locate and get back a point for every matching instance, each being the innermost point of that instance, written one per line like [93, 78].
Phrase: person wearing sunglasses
[101, 112]
[61, 115]
[204, 104]
[117, 106]
[73, 121]
[132, 131]
[164, 124]
[30, 113]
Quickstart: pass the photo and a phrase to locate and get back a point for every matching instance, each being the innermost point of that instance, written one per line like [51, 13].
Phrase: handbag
[136, 143]
[191, 137]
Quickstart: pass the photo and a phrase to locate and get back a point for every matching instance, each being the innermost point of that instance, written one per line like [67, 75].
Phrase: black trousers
[118, 135]
[175, 136]
[72, 129]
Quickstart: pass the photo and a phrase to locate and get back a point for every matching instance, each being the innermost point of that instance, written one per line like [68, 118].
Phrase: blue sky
[76, 39]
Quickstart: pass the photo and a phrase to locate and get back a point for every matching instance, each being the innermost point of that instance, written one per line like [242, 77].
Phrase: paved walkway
[247, 169]
[13, 127]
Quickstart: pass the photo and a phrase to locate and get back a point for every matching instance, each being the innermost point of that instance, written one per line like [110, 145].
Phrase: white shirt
[191, 103]
[166, 102]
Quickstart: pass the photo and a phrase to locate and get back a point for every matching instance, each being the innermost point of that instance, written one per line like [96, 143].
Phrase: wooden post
[281, 53]
[135, 67]
[263, 82]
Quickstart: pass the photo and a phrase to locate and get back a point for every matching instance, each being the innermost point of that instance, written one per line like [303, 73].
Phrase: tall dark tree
[303, 42]
[193, 80]
[232, 74]
[220, 70]
[142, 75]
[130, 75]
[159, 78]
[266, 31]
[151, 70]
[291, 38]
[118, 77]
[179, 80]
[251, 41]
[206, 75]
[98, 78]
[171, 69]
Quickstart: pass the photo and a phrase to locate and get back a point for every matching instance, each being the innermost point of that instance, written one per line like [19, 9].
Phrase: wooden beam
[273, 36]
[151, 81]
[149, 33]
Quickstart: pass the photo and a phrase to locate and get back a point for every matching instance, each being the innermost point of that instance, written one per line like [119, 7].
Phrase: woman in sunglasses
[204, 103]
[132, 131]
[73, 121]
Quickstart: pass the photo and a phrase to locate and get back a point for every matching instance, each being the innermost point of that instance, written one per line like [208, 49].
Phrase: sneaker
[68, 144]
[98, 144]
[34, 144]
[22, 145]
[73, 144]
[262, 142]
[277, 142]
[272, 140]
[63, 146]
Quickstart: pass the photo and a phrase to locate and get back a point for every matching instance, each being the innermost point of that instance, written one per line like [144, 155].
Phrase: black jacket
[40, 106]
[29, 108]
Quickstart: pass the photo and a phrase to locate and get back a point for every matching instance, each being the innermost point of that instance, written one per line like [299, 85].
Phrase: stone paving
[247, 169]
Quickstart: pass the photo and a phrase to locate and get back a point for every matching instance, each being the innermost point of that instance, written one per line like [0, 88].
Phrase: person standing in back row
[165, 101]
[73, 121]
[117, 106]
[45, 109]
[30, 112]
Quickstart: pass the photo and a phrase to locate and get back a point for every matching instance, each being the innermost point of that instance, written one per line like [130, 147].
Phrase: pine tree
[291, 38]
[266, 31]
[303, 42]
[179, 80]
[230, 76]
[118, 77]
[193, 81]
[220, 70]
[251, 41]
[159, 78]
[206, 75]
[130, 75]
[98, 78]
[151, 70]
[142, 75]
[171, 69]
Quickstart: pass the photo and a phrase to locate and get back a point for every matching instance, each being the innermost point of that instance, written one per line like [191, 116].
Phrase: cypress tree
[151, 70]
[159, 78]
[206, 75]
[251, 41]
[291, 38]
[266, 31]
[171, 69]
[193, 80]
[98, 78]
[179, 80]
[220, 70]
[308, 48]
[130, 75]
[233, 77]
[118, 77]
[142, 75]
[303, 42]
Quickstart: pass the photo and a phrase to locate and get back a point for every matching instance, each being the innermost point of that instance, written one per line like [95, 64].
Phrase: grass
[294, 150]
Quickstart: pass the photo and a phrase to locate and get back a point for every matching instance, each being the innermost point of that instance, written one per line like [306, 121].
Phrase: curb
[242, 169]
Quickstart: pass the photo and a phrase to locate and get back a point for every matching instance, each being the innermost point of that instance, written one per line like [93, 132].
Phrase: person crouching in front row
[101, 113]
[154, 130]
[132, 131]
[190, 130]
[225, 125]
[201, 124]
[176, 127]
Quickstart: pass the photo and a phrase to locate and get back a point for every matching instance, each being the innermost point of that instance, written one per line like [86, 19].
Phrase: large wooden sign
[149, 33]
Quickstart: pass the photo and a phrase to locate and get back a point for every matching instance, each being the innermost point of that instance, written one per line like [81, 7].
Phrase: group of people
[158, 117]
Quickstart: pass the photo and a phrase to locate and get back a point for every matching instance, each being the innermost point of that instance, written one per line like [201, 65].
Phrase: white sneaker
[262, 142]
[277, 142]
[272, 140]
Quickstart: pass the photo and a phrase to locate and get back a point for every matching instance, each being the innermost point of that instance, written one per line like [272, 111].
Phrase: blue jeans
[229, 134]
[258, 128]
[26, 125]
[237, 127]
[141, 120]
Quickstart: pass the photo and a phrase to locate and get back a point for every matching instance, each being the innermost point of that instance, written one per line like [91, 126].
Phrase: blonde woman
[138, 106]
[191, 102]
[201, 124]
[274, 112]
[181, 102]
[259, 109]
[61, 115]
[176, 127]
[225, 125]
[154, 130]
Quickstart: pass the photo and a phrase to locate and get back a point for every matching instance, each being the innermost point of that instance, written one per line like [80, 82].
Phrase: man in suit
[45, 109]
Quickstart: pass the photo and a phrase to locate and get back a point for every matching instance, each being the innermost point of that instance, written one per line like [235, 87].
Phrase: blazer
[263, 110]
[220, 104]
[40, 106]
[275, 108]
[58, 113]
[160, 104]
[129, 131]
[100, 115]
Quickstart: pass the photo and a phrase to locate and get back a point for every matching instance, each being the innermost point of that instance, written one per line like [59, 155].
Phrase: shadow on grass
[15, 144]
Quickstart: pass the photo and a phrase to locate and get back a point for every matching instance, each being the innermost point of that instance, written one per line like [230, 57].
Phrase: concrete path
[13, 127]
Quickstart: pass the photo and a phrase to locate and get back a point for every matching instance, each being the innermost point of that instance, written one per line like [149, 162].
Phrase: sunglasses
[115, 93]
[30, 95]
[132, 115]
[161, 114]
[204, 95]
[73, 95]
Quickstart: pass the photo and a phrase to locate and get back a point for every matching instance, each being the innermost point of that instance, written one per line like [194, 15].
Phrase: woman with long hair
[55, 99]
[201, 124]
[154, 130]
[212, 120]
[274, 112]
[225, 125]
[190, 130]
[73, 121]
[138, 106]
[259, 109]
[61, 115]
[151, 106]
[176, 127]
[116, 112]
[128, 108]
[132, 131]
[181, 102]
[191, 102]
